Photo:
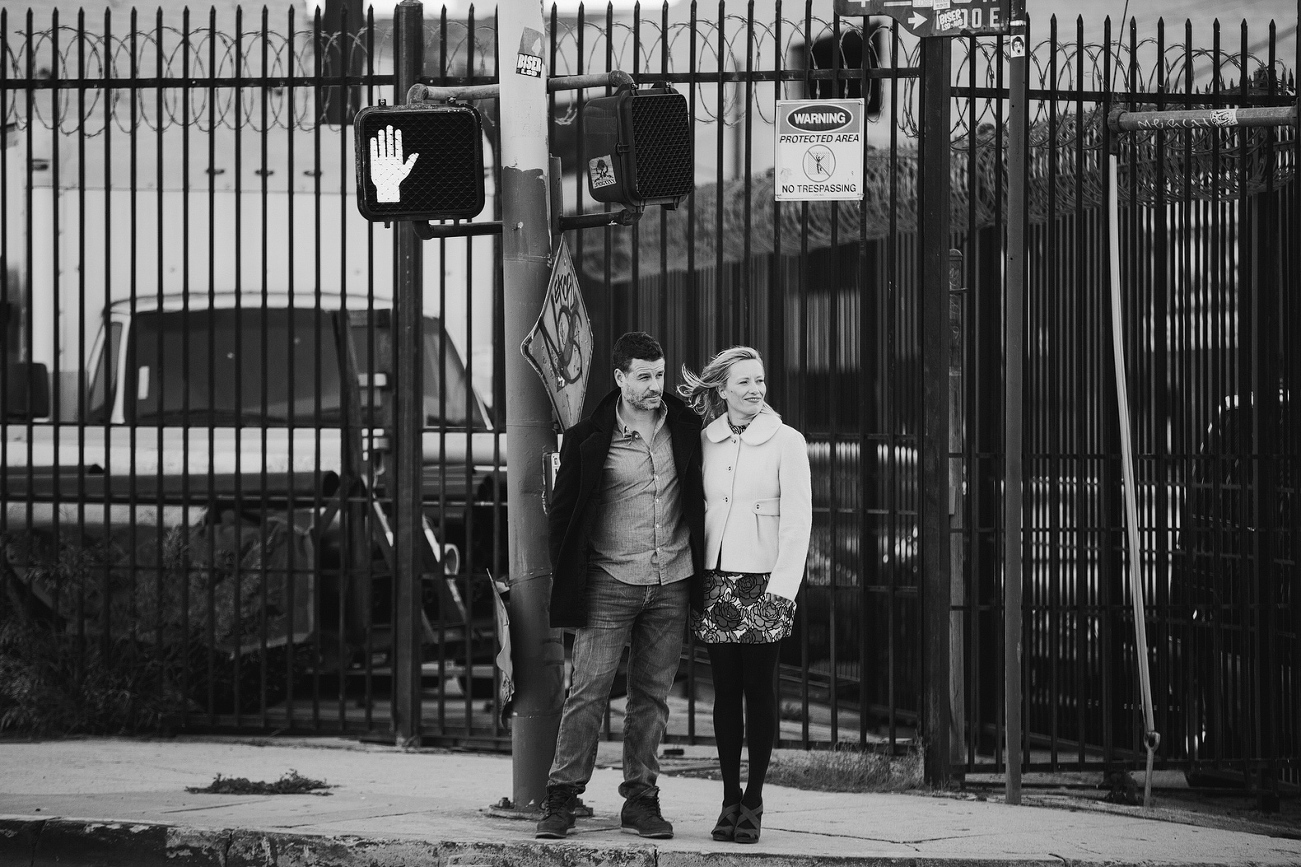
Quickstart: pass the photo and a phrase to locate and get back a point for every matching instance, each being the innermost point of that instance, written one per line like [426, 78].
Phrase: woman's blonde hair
[702, 392]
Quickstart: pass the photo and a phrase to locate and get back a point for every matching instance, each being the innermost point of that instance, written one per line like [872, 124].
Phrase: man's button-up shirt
[640, 536]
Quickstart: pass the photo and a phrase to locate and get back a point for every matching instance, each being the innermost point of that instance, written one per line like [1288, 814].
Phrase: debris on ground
[291, 783]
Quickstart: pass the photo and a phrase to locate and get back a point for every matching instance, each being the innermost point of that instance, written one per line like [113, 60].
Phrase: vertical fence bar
[237, 578]
[292, 564]
[805, 337]
[1050, 397]
[347, 514]
[691, 341]
[836, 403]
[55, 319]
[82, 390]
[160, 494]
[933, 449]
[868, 415]
[187, 627]
[262, 350]
[970, 720]
[209, 536]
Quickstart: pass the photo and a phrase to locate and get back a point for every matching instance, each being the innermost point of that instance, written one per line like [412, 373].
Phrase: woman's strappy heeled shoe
[748, 825]
[725, 827]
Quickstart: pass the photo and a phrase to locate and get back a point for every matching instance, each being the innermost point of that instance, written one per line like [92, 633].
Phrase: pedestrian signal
[637, 147]
[419, 162]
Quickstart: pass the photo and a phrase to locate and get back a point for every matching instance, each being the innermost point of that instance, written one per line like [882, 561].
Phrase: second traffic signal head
[637, 147]
[419, 162]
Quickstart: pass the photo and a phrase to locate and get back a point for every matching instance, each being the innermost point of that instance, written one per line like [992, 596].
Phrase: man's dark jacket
[575, 502]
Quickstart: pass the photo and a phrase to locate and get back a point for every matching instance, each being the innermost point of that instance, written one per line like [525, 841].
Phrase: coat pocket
[768, 506]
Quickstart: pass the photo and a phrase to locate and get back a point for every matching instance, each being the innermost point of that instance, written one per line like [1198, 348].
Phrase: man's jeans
[653, 618]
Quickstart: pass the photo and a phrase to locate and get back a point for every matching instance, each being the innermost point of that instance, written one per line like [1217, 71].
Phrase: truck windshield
[255, 366]
[103, 382]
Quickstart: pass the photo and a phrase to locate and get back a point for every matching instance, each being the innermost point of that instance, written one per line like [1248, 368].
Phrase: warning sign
[819, 150]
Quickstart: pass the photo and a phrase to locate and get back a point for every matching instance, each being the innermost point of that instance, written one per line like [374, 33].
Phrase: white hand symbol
[387, 170]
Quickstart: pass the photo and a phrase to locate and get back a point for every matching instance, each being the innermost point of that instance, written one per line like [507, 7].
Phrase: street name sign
[819, 153]
[936, 17]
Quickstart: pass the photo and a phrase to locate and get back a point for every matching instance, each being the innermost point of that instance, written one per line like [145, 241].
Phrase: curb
[31, 841]
[37, 842]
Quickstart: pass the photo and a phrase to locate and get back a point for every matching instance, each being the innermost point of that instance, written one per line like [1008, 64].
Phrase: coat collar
[762, 429]
[603, 415]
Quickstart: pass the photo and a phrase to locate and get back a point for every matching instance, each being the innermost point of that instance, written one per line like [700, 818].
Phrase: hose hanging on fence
[1131, 121]
[1151, 738]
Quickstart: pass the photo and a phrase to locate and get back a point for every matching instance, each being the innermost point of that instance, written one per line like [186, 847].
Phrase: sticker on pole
[819, 151]
[560, 345]
[528, 60]
[600, 171]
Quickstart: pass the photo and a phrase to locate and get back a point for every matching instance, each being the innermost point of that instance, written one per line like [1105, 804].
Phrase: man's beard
[645, 403]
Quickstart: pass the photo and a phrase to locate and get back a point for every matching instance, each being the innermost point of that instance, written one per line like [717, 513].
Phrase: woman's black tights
[744, 670]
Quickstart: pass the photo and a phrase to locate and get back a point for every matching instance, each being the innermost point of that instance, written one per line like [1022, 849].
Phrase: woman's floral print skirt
[739, 610]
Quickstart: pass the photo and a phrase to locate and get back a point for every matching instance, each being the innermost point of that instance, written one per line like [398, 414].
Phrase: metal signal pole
[409, 418]
[1013, 398]
[537, 650]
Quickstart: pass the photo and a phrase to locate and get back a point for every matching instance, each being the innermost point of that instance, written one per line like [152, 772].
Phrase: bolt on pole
[537, 650]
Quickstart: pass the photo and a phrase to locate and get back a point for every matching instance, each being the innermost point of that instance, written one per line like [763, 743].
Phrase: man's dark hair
[635, 344]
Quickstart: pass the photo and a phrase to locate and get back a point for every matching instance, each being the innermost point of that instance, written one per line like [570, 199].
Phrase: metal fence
[207, 493]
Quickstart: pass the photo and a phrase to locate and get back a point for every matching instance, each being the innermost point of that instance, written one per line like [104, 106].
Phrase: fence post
[408, 421]
[934, 324]
[1014, 378]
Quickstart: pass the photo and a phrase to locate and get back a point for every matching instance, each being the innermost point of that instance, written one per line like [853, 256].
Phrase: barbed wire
[85, 79]
[1066, 168]
[729, 48]
[1081, 74]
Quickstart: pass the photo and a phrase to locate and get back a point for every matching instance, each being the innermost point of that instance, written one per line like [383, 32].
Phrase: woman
[758, 515]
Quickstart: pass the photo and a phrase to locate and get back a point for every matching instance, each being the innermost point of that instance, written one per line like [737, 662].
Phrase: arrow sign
[936, 17]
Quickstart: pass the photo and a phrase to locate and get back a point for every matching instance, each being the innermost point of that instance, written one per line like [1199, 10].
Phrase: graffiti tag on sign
[560, 345]
[527, 64]
[936, 17]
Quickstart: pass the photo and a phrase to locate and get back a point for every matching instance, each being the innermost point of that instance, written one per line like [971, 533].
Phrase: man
[627, 546]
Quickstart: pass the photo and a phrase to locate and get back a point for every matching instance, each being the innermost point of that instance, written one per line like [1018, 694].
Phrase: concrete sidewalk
[123, 803]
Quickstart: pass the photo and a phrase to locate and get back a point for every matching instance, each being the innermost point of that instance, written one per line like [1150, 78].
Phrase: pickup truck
[222, 421]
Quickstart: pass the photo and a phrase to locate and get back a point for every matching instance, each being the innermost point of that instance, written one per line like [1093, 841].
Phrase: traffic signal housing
[419, 162]
[637, 147]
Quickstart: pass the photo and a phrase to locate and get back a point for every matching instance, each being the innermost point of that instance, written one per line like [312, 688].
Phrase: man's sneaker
[641, 816]
[557, 815]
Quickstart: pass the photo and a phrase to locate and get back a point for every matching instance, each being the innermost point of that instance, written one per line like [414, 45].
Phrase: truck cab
[213, 418]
